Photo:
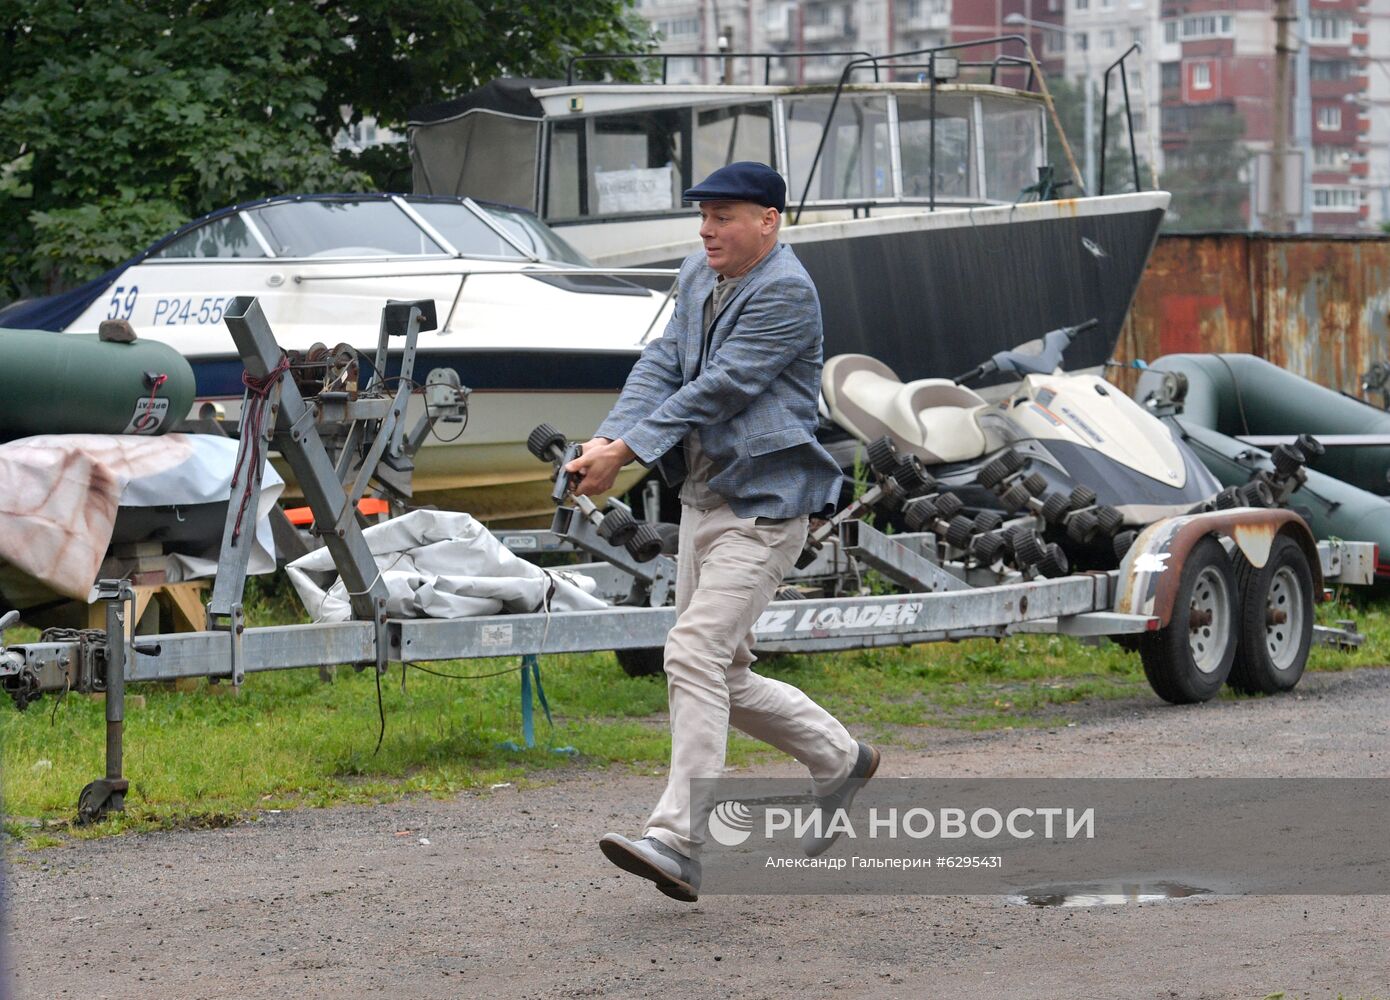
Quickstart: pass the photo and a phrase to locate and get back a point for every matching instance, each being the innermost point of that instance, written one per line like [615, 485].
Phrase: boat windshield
[228, 236]
[341, 229]
[348, 228]
[536, 237]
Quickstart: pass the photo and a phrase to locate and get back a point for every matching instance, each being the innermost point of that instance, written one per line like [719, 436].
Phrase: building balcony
[925, 21]
[834, 30]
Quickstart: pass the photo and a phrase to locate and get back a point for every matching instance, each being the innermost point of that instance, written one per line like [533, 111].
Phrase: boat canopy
[620, 150]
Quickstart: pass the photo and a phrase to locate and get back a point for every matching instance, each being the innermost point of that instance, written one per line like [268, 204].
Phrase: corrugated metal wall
[1318, 306]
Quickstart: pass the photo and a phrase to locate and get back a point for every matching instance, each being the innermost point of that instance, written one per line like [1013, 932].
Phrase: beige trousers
[728, 570]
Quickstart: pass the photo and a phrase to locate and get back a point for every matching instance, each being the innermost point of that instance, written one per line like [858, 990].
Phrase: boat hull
[482, 466]
[933, 294]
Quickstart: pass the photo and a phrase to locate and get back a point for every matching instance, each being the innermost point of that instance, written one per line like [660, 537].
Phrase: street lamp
[1087, 87]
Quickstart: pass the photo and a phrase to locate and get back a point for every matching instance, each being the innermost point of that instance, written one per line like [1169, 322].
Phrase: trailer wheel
[1276, 620]
[642, 662]
[1191, 657]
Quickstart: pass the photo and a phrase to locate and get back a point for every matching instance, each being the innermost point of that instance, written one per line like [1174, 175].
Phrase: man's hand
[598, 465]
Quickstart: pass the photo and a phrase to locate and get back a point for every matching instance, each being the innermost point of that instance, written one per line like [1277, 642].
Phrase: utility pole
[1278, 219]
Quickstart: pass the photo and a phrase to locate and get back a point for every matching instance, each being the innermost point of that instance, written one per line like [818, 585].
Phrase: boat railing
[934, 61]
[1129, 116]
[666, 57]
[463, 276]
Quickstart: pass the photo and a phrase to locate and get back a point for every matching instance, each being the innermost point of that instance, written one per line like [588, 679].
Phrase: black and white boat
[918, 207]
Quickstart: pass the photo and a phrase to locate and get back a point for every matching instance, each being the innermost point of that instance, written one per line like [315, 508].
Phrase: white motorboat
[528, 323]
[920, 203]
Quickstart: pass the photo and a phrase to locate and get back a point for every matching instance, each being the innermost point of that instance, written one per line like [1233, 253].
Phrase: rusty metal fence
[1316, 305]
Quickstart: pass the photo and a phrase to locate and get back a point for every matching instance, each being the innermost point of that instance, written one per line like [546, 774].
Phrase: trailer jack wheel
[1190, 658]
[1276, 620]
[99, 798]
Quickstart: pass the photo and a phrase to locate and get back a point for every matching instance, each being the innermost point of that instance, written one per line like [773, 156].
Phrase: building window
[1329, 69]
[1201, 76]
[1331, 157]
[1170, 32]
[1054, 42]
[1136, 35]
[1083, 41]
[1329, 28]
[1083, 4]
[1170, 75]
[1329, 118]
[1107, 39]
[1336, 199]
[681, 27]
[1105, 4]
[1206, 26]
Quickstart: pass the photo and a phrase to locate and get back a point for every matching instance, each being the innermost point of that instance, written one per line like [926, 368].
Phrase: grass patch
[205, 758]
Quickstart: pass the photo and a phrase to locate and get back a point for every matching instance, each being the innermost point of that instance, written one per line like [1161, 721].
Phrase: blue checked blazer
[753, 402]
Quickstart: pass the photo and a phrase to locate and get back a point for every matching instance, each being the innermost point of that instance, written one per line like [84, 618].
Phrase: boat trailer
[1147, 599]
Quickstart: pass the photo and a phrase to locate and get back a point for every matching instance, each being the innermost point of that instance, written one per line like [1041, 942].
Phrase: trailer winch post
[293, 436]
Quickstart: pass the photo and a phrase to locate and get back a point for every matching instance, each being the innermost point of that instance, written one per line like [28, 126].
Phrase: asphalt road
[504, 894]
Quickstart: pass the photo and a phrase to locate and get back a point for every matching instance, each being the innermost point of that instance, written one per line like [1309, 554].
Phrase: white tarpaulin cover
[61, 491]
[439, 564]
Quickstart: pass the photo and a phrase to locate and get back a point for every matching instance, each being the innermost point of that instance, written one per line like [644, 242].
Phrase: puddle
[1112, 894]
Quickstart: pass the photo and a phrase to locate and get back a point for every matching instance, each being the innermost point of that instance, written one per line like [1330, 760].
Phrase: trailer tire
[642, 662]
[1270, 656]
[1189, 659]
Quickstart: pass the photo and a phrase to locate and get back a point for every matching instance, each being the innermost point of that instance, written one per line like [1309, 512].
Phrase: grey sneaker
[674, 874]
[864, 767]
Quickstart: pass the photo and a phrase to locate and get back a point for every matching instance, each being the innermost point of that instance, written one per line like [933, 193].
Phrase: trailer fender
[1151, 568]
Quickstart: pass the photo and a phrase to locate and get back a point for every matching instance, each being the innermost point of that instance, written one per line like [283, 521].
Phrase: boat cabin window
[1013, 137]
[855, 162]
[341, 229]
[728, 135]
[987, 148]
[955, 154]
[228, 236]
[637, 161]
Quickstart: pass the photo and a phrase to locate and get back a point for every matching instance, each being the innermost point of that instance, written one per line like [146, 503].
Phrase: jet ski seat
[932, 418]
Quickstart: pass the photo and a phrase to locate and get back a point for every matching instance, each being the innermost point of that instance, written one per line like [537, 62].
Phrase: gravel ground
[504, 894]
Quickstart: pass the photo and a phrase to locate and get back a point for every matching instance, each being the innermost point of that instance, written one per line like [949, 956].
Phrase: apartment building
[1375, 102]
[1218, 56]
[836, 26]
[1098, 33]
[1198, 58]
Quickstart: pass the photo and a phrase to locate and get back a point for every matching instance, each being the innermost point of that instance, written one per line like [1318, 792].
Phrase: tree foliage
[1070, 101]
[1207, 176]
[121, 119]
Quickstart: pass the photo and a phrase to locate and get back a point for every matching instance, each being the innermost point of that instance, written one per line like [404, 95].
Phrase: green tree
[121, 119]
[1206, 176]
[1070, 101]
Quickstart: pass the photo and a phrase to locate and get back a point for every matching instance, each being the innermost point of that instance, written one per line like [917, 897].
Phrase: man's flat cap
[745, 180]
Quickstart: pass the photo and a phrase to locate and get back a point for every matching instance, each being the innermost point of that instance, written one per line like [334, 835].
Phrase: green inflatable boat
[66, 383]
[1234, 408]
